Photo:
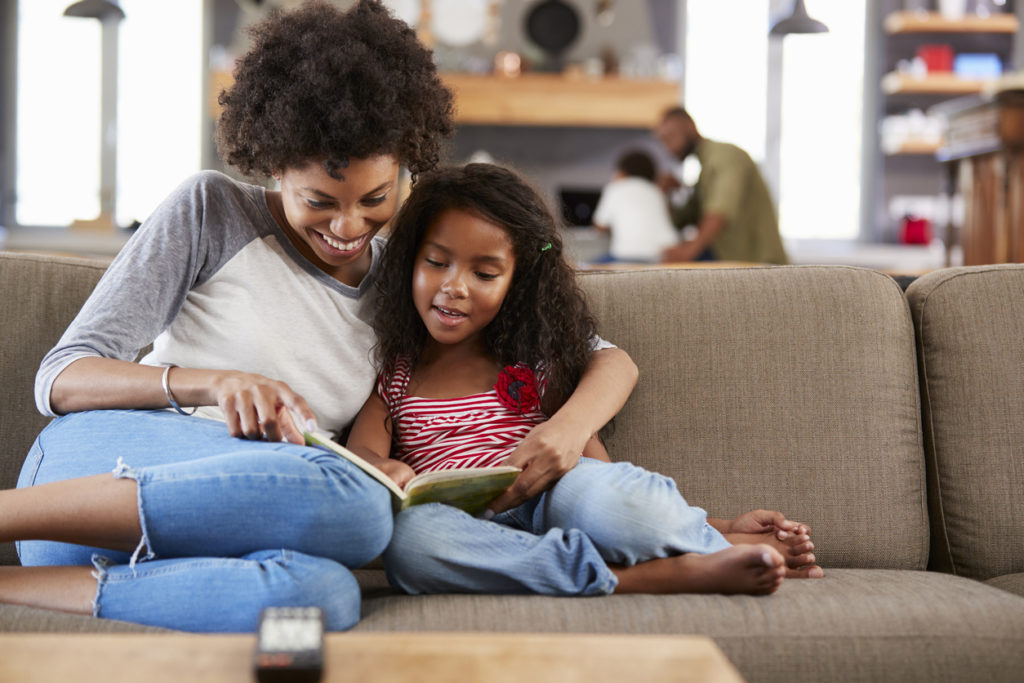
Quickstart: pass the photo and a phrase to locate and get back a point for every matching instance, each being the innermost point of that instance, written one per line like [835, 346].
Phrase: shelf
[933, 22]
[541, 100]
[933, 84]
[555, 100]
[915, 148]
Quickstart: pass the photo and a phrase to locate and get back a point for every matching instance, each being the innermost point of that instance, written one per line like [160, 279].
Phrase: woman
[257, 303]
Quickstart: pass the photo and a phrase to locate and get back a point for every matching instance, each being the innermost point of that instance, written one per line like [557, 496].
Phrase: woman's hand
[762, 521]
[545, 454]
[257, 407]
[553, 448]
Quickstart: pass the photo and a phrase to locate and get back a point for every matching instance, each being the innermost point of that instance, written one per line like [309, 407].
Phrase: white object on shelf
[459, 23]
[953, 9]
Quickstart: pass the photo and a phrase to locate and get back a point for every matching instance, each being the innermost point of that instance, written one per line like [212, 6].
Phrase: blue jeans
[558, 543]
[229, 526]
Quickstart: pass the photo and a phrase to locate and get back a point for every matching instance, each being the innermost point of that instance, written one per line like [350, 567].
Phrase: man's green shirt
[731, 186]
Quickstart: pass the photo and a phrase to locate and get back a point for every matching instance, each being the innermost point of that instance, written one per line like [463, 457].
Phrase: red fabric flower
[517, 389]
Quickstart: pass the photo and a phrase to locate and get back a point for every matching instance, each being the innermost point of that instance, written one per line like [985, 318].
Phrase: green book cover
[471, 489]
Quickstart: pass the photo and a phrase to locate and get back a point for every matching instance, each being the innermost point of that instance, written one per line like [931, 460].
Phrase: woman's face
[332, 220]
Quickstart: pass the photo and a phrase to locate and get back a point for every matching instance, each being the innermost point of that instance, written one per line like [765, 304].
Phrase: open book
[471, 489]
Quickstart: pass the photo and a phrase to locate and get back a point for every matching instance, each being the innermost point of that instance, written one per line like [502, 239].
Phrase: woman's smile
[333, 242]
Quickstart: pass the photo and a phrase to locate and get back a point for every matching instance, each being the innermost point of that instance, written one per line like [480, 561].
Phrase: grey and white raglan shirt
[213, 282]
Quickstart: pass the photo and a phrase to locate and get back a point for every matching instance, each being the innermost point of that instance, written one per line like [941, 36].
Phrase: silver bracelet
[170, 396]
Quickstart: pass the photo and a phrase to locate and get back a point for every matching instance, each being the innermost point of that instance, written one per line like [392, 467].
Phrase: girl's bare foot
[748, 569]
[795, 548]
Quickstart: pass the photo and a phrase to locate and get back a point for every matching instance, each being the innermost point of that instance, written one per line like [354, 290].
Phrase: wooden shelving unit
[556, 100]
[932, 84]
[933, 22]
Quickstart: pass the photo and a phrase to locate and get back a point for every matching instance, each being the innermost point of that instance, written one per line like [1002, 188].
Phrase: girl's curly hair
[324, 84]
[544, 319]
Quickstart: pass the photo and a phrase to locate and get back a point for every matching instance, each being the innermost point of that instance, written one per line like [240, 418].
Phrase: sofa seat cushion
[20, 619]
[970, 327]
[1009, 582]
[792, 388]
[855, 624]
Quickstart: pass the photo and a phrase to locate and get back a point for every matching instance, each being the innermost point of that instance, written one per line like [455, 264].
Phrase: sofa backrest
[793, 388]
[970, 331]
[39, 296]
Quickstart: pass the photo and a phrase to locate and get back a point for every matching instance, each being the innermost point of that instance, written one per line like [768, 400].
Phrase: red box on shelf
[936, 57]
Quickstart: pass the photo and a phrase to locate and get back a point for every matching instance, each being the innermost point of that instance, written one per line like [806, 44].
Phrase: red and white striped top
[453, 433]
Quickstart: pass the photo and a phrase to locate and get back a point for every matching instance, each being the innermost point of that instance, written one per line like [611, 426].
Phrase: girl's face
[462, 272]
[332, 220]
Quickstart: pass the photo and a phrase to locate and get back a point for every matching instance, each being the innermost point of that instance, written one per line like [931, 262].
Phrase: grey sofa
[891, 422]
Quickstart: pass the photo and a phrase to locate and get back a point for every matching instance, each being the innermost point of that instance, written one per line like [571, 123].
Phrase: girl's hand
[761, 521]
[257, 407]
[399, 472]
[545, 454]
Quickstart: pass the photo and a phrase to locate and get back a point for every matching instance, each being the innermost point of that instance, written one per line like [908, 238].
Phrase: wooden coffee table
[366, 656]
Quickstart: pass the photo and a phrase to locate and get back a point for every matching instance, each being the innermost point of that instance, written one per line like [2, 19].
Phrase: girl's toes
[801, 548]
[800, 560]
[808, 572]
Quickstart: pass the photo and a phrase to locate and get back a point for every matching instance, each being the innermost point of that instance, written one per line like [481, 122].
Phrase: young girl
[492, 339]
[128, 507]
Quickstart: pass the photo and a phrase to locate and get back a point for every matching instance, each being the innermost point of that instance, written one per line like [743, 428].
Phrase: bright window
[822, 106]
[726, 91]
[726, 71]
[58, 114]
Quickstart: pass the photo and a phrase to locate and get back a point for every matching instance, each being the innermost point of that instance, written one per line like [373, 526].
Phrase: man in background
[730, 204]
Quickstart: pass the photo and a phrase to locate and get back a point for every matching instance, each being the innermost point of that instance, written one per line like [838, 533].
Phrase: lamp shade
[798, 22]
[94, 9]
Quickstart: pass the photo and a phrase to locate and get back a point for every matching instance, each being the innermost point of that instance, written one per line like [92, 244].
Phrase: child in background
[483, 332]
[634, 210]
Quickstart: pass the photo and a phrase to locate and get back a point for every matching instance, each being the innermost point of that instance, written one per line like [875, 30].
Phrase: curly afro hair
[544, 319]
[327, 85]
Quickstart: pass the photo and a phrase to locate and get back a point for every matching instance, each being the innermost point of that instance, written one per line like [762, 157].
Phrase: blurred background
[106, 106]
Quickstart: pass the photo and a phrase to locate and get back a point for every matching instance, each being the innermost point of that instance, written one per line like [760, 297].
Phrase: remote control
[290, 645]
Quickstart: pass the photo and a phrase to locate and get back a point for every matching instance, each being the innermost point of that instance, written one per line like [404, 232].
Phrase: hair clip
[545, 247]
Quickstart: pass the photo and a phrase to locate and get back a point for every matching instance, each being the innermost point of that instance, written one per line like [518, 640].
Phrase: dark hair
[329, 85]
[677, 112]
[637, 163]
[544, 318]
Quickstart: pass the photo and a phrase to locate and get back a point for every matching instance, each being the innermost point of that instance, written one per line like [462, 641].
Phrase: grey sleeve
[140, 293]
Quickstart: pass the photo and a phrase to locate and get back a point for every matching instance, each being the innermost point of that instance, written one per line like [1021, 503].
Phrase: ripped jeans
[229, 526]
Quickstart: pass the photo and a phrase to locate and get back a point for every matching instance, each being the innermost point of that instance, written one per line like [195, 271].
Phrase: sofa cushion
[970, 325]
[793, 388]
[853, 625]
[1009, 582]
[42, 294]
[20, 619]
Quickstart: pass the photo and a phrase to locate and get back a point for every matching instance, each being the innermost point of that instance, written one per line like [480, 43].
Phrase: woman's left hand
[545, 454]
[761, 521]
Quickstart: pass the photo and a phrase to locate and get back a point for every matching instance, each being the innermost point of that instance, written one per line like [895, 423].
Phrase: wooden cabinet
[986, 158]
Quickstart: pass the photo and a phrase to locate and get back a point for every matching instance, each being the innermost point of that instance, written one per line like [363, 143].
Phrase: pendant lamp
[94, 9]
[797, 22]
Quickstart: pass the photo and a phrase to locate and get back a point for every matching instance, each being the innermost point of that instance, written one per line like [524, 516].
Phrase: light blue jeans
[558, 543]
[229, 526]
